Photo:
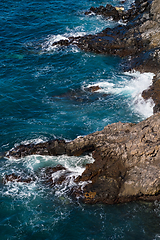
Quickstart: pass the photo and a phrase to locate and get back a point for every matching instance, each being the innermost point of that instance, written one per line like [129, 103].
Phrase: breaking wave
[131, 86]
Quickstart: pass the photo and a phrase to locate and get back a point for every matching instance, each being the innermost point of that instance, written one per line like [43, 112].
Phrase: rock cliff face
[127, 156]
[127, 162]
[126, 166]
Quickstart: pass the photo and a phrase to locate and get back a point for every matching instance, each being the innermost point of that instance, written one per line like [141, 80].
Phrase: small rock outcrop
[116, 13]
[50, 177]
[52, 148]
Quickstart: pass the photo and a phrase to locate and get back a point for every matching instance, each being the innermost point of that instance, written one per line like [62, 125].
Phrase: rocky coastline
[137, 40]
[127, 156]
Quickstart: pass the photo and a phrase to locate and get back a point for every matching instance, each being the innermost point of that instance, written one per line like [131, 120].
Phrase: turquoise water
[43, 96]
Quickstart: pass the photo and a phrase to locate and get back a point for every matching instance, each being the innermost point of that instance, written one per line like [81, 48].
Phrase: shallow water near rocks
[37, 82]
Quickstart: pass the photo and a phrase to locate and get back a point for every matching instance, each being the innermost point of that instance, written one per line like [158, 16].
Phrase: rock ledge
[126, 166]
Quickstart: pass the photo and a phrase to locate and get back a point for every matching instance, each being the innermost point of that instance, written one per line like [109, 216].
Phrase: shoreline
[127, 156]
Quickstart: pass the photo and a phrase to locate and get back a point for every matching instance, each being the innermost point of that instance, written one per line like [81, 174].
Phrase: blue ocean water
[43, 95]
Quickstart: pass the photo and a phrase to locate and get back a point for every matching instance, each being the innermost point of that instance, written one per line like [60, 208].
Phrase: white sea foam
[137, 84]
[20, 190]
[156, 237]
[130, 85]
[34, 141]
[84, 183]
[72, 163]
[26, 142]
[121, 22]
[29, 165]
[50, 40]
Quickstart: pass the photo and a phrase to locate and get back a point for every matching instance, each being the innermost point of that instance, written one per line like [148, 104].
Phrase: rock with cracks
[126, 166]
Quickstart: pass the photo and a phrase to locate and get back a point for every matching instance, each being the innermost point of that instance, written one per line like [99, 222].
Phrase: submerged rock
[88, 94]
[50, 176]
[94, 88]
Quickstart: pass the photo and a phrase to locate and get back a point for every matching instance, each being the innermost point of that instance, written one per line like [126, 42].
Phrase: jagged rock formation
[14, 178]
[141, 33]
[126, 166]
[127, 162]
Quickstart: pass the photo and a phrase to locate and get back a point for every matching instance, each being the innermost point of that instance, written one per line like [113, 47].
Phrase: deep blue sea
[43, 95]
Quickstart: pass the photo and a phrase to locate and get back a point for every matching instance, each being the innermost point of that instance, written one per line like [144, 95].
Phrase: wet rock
[51, 176]
[77, 95]
[17, 178]
[94, 88]
[54, 175]
[107, 11]
[52, 147]
[154, 93]
[61, 43]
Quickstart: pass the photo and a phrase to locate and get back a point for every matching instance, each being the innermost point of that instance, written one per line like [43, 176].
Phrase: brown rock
[54, 175]
[94, 88]
[154, 93]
